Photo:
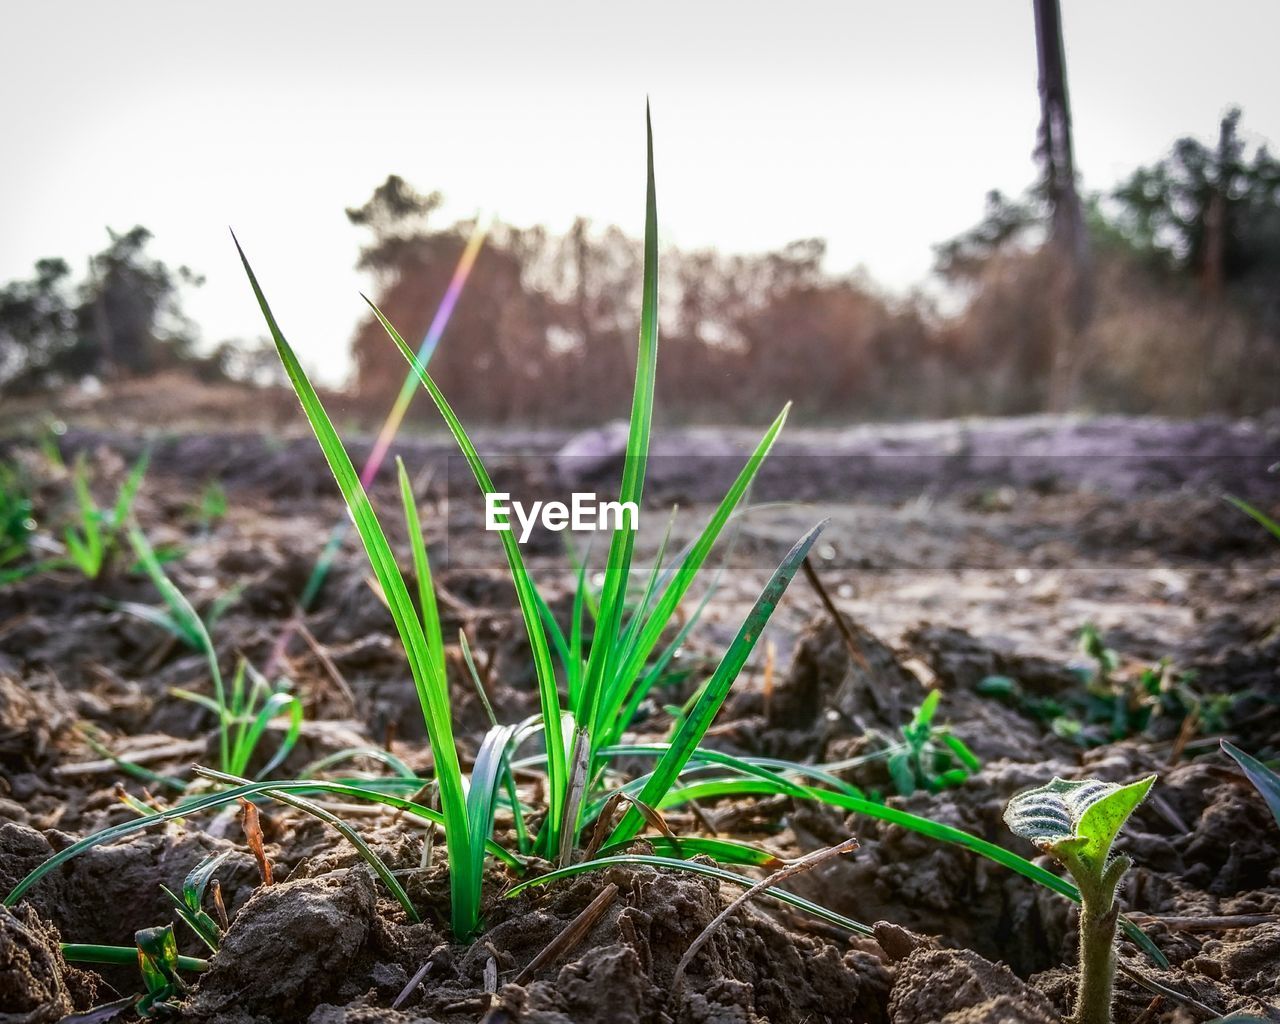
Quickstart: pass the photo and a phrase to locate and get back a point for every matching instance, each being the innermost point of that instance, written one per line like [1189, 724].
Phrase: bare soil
[955, 552]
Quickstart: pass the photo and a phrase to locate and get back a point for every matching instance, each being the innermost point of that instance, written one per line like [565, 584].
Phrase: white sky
[879, 126]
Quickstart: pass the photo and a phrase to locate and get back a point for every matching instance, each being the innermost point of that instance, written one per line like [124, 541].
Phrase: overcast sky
[879, 126]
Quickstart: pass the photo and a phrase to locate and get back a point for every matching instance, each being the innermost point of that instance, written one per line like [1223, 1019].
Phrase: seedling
[94, 538]
[1118, 700]
[211, 507]
[604, 684]
[1076, 824]
[156, 955]
[190, 905]
[930, 758]
[243, 716]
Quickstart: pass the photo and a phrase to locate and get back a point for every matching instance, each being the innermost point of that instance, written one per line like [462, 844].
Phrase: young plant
[244, 715]
[605, 683]
[1076, 824]
[156, 955]
[95, 537]
[930, 758]
[1118, 700]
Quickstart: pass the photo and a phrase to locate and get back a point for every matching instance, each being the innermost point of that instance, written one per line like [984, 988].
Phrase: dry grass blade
[253, 836]
[220, 908]
[418, 977]
[820, 588]
[797, 867]
[491, 969]
[579, 770]
[1160, 989]
[577, 930]
[331, 669]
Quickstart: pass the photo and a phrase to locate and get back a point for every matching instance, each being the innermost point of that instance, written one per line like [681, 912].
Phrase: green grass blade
[723, 851]
[694, 867]
[474, 673]
[1260, 517]
[277, 704]
[384, 757]
[526, 592]
[699, 719]
[1263, 778]
[158, 617]
[421, 569]
[690, 565]
[432, 686]
[765, 767]
[617, 572]
[487, 777]
[129, 490]
[190, 622]
[125, 956]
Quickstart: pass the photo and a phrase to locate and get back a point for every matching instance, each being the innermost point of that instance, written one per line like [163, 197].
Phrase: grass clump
[97, 534]
[603, 685]
[589, 813]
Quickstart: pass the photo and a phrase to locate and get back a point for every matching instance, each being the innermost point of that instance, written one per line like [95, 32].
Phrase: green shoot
[930, 759]
[189, 905]
[94, 539]
[156, 955]
[244, 716]
[606, 688]
[211, 507]
[17, 522]
[1265, 781]
[1118, 700]
[158, 963]
[1258, 516]
[426, 664]
[1076, 823]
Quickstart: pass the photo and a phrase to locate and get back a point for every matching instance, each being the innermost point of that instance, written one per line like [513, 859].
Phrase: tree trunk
[1068, 238]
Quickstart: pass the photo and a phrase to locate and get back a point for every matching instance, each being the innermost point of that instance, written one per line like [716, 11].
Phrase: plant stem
[1098, 917]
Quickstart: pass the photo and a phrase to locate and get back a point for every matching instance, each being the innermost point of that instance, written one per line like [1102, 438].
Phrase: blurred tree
[1212, 212]
[131, 307]
[125, 318]
[38, 327]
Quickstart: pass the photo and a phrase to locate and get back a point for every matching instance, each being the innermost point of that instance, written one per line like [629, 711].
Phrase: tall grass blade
[526, 592]
[618, 566]
[716, 689]
[421, 568]
[432, 686]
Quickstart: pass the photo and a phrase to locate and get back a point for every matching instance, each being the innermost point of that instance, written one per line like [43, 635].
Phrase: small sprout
[930, 758]
[189, 905]
[158, 962]
[1076, 823]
